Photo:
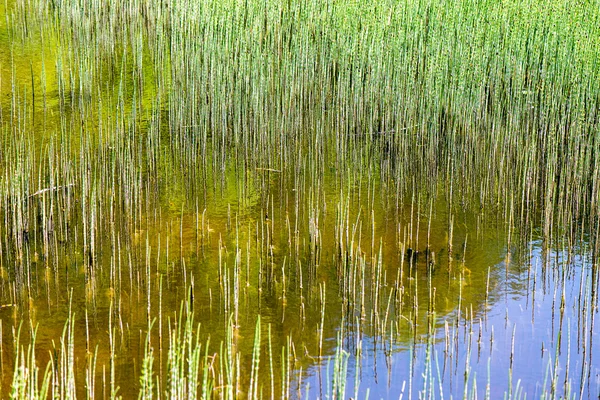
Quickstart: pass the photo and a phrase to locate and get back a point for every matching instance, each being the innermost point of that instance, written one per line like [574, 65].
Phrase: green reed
[149, 114]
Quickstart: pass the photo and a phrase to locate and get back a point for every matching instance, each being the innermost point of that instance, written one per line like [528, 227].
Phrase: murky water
[359, 292]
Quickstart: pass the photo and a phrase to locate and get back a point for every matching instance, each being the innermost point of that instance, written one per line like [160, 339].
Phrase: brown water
[473, 313]
[323, 256]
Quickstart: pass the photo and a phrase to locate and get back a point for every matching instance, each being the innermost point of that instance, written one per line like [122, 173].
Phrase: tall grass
[290, 159]
[495, 101]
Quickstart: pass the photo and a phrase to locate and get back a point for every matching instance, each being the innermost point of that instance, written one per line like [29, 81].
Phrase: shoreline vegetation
[260, 199]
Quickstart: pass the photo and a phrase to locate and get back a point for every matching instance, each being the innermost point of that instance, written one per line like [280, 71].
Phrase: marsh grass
[275, 163]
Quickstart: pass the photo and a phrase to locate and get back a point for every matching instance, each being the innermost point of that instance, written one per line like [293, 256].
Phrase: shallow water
[486, 319]
[520, 340]
[136, 234]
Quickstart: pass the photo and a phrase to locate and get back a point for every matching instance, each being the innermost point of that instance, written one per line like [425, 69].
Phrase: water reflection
[536, 337]
[307, 272]
[420, 293]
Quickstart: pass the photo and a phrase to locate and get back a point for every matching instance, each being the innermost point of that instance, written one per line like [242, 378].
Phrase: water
[360, 291]
[488, 319]
[520, 340]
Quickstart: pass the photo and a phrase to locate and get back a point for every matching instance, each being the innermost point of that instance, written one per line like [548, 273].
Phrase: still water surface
[326, 259]
[489, 319]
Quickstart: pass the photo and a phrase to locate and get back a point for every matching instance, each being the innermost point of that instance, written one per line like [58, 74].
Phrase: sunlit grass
[297, 156]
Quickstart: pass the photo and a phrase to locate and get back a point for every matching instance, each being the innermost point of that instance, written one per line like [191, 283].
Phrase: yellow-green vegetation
[255, 198]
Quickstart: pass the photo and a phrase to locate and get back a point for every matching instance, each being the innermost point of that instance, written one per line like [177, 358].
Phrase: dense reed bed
[248, 199]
